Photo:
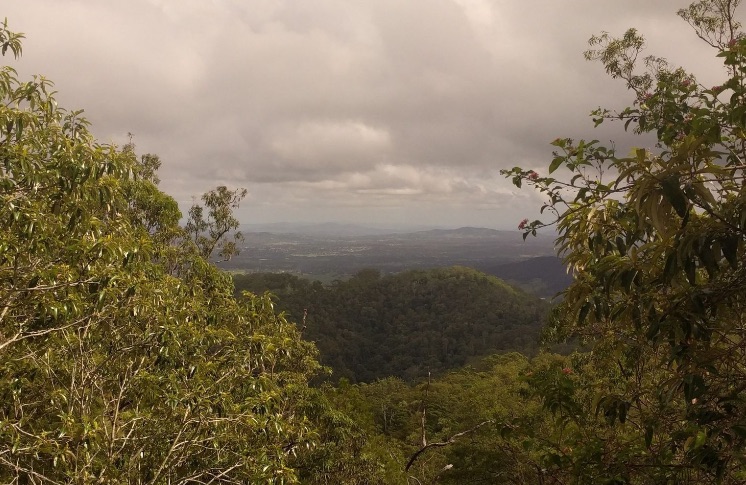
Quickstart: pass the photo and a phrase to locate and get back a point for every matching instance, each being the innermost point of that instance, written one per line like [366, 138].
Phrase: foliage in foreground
[124, 356]
[656, 240]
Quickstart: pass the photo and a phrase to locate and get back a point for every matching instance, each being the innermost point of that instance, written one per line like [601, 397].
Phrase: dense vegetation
[408, 324]
[126, 358]
[657, 242]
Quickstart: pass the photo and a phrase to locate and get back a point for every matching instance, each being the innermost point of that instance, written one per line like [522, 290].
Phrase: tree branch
[447, 442]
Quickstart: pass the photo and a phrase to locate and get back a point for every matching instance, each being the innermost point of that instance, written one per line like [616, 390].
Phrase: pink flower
[567, 371]
[716, 89]
[685, 83]
[532, 175]
[732, 43]
[523, 224]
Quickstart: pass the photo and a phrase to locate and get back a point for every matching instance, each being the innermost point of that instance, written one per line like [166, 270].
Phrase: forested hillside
[408, 324]
[544, 276]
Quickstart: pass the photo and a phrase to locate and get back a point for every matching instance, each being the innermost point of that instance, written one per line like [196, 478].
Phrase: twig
[447, 442]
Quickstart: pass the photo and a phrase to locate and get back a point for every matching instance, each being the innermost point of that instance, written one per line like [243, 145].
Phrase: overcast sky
[366, 111]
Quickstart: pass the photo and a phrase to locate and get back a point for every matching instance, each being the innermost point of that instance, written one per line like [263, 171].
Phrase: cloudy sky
[365, 111]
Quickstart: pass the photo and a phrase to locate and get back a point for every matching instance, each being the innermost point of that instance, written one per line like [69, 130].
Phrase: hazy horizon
[377, 111]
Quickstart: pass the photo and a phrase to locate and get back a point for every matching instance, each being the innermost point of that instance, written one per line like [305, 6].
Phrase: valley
[330, 252]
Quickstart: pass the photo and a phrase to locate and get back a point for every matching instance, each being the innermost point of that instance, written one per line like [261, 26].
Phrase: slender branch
[424, 413]
[447, 442]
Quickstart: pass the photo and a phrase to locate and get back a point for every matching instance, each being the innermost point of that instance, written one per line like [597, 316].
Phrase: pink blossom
[523, 224]
[567, 371]
[732, 43]
[532, 175]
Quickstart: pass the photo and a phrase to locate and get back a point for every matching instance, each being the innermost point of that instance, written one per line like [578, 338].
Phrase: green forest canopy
[408, 324]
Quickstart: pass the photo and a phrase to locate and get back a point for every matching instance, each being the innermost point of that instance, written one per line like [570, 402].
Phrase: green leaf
[584, 310]
[556, 162]
[621, 246]
[729, 247]
[709, 261]
[675, 196]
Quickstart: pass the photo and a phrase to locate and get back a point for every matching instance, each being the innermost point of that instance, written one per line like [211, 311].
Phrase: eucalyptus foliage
[124, 357]
[655, 240]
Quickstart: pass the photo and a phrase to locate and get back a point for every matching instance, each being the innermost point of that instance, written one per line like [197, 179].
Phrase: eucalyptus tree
[655, 240]
[124, 357]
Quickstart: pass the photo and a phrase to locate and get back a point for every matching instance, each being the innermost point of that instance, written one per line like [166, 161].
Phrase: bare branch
[447, 442]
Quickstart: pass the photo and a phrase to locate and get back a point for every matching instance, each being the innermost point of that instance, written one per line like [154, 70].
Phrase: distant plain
[326, 252]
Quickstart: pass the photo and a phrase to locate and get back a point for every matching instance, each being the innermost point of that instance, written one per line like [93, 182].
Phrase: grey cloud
[364, 109]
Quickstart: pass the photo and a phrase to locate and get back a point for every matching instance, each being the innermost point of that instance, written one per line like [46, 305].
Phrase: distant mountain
[466, 232]
[331, 229]
[482, 232]
[338, 230]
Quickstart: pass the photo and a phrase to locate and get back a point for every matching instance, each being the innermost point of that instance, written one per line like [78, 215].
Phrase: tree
[124, 356]
[209, 232]
[656, 244]
[479, 424]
